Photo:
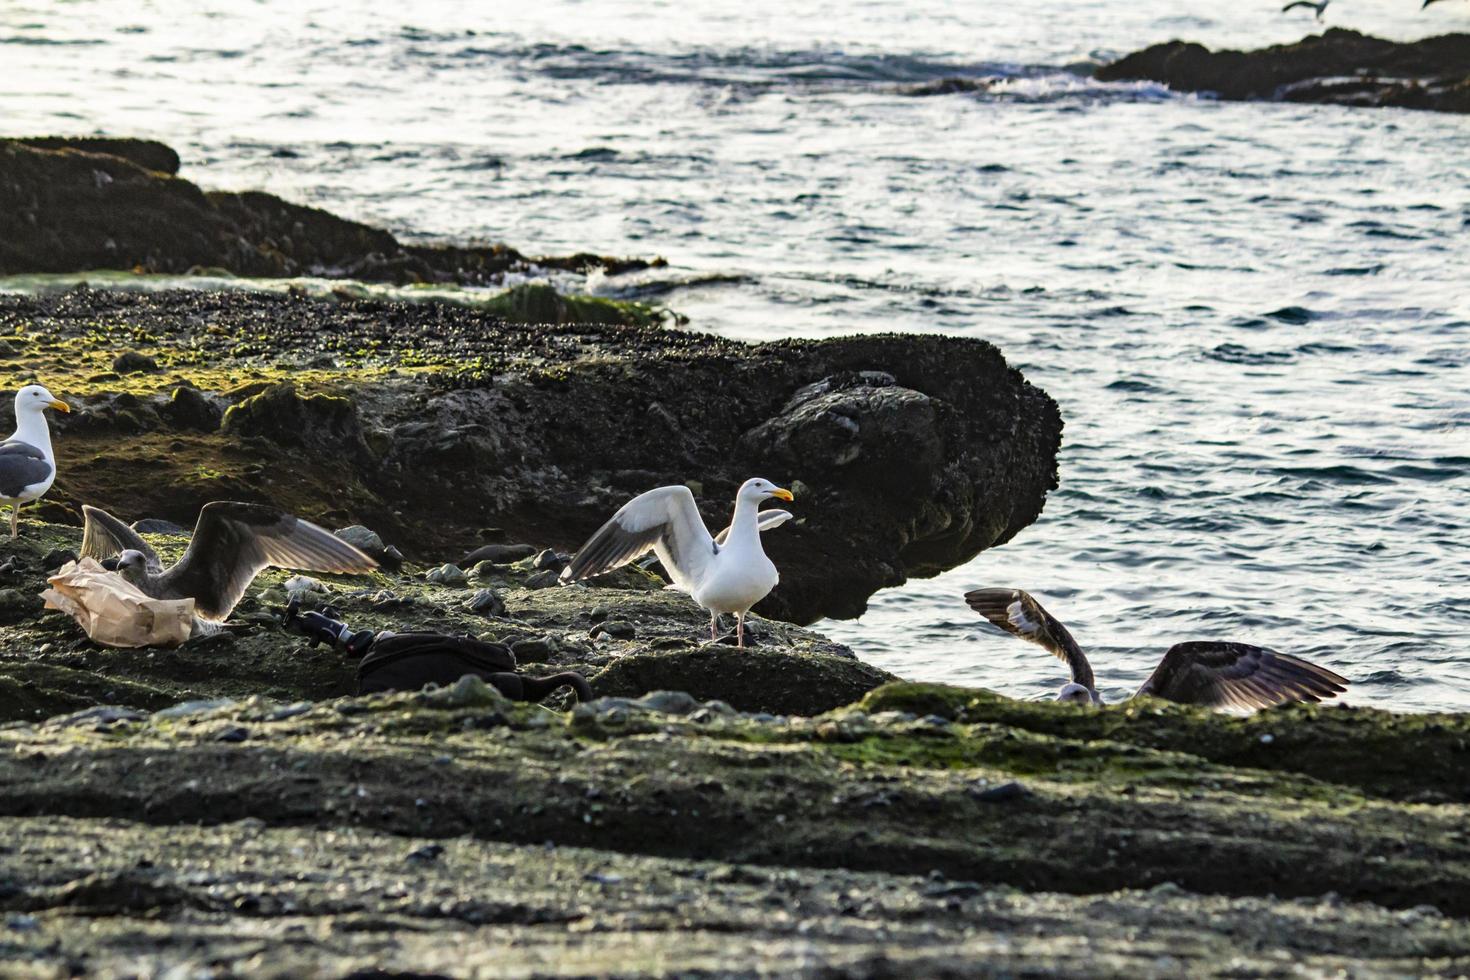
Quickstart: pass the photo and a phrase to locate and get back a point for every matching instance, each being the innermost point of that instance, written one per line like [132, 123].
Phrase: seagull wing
[232, 543]
[1020, 615]
[104, 536]
[1238, 675]
[767, 520]
[21, 465]
[664, 519]
[1298, 3]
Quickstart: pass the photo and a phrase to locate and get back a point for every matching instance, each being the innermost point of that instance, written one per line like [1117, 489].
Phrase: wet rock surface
[1338, 66]
[715, 808]
[76, 204]
[428, 423]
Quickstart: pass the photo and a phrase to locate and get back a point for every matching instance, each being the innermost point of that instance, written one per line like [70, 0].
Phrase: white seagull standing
[27, 465]
[728, 574]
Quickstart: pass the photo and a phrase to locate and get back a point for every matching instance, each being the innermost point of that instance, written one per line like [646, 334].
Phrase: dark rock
[550, 559]
[56, 558]
[618, 629]
[17, 606]
[486, 602]
[1002, 793]
[501, 554]
[1338, 66]
[116, 206]
[782, 682]
[233, 734]
[148, 154]
[543, 580]
[429, 852]
[190, 408]
[131, 362]
[534, 650]
[286, 417]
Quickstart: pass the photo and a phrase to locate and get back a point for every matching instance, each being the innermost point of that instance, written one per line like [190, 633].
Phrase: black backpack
[408, 661]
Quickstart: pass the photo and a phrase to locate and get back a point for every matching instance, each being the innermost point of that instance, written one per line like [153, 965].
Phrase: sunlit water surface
[1255, 317]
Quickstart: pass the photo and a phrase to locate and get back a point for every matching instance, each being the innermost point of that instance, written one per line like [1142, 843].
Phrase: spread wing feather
[767, 520]
[1020, 615]
[1238, 675]
[104, 536]
[664, 519]
[233, 542]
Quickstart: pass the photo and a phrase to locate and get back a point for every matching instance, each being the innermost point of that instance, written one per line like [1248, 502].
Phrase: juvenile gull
[27, 465]
[232, 543]
[1207, 673]
[728, 575]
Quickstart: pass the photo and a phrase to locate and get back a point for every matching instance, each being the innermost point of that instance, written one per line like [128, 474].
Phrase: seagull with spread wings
[232, 543]
[725, 574]
[1206, 673]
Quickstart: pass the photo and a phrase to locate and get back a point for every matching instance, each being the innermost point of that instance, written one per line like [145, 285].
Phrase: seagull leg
[714, 624]
[740, 630]
[15, 521]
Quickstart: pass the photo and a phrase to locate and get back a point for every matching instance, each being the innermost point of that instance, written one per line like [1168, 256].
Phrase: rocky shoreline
[231, 808]
[1340, 67]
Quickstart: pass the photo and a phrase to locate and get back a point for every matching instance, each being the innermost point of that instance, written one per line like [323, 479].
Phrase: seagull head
[35, 399]
[132, 566]
[1078, 694]
[755, 490]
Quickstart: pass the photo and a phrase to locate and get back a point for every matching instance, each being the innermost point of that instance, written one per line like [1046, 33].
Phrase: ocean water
[1255, 317]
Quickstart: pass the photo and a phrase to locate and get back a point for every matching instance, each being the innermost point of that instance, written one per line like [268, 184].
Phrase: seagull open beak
[60, 406]
[780, 494]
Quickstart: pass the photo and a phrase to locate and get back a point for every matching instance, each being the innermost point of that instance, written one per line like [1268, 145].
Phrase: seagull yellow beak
[60, 406]
[780, 494]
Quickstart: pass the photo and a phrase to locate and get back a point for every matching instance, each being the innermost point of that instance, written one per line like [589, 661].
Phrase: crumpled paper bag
[114, 611]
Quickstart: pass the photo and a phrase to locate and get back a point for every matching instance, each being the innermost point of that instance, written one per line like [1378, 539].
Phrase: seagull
[27, 465]
[1319, 7]
[1206, 673]
[232, 543]
[725, 575]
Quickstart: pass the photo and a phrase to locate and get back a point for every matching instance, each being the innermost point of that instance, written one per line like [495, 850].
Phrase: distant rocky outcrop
[1338, 66]
[77, 204]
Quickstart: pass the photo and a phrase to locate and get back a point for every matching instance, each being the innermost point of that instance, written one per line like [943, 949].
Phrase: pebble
[448, 574]
[618, 629]
[363, 538]
[186, 708]
[501, 554]
[550, 559]
[486, 602]
[429, 852]
[533, 650]
[235, 734]
[543, 580]
[1004, 793]
[105, 714]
